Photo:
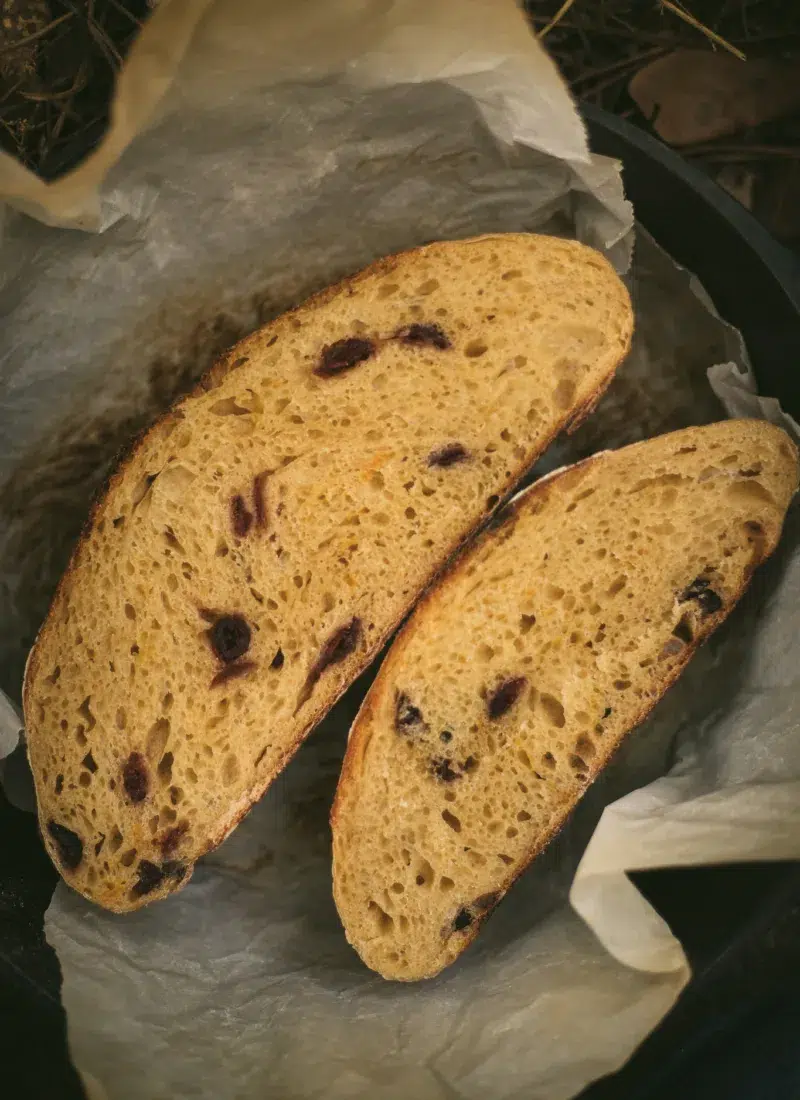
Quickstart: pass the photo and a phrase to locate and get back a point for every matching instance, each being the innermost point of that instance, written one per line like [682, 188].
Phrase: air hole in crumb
[130, 611]
[127, 858]
[750, 491]
[446, 883]
[526, 622]
[564, 393]
[424, 876]
[165, 768]
[230, 770]
[475, 348]
[157, 739]
[383, 921]
[617, 585]
[585, 747]
[553, 709]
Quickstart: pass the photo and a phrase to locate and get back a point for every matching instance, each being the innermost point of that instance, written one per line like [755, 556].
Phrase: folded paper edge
[153, 60]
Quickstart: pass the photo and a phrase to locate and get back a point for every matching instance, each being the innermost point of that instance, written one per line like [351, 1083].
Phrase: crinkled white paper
[293, 145]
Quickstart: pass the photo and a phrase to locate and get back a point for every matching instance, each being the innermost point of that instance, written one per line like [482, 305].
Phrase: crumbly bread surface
[518, 676]
[260, 543]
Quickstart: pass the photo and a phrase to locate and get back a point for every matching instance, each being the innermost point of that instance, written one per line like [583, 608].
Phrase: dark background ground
[59, 59]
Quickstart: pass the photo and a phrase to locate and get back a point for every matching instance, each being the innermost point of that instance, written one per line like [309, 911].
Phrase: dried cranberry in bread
[518, 676]
[260, 543]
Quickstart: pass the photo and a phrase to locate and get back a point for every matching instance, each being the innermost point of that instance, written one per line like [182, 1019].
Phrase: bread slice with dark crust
[259, 544]
[518, 676]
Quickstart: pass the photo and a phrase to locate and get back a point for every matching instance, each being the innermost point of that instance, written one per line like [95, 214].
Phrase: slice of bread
[519, 675]
[260, 543]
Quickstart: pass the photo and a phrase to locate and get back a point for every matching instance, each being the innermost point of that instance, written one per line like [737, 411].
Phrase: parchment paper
[257, 183]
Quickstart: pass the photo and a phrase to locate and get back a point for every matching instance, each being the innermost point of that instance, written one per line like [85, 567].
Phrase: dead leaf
[696, 95]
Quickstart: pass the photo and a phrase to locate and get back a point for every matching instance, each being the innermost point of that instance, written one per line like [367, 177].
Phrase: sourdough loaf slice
[260, 543]
[518, 676]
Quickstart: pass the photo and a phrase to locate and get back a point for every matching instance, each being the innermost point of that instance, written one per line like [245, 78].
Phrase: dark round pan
[733, 1033]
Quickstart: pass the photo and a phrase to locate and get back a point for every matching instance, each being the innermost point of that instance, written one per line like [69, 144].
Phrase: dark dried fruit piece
[339, 646]
[150, 875]
[429, 335]
[449, 455]
[230, 637]
[442, 768]
[277, 660]
[59, 783]
[136, 777]
[241, 517]
[463, 919]
[343, 355]
[232, 672]
[172, 838]
[69, 844]
[174, 869]
[707, 600]
[406, 715]
[503, 697]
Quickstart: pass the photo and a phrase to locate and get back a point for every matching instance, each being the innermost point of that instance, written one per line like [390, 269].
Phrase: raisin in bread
[518, 676]
[260, 543]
